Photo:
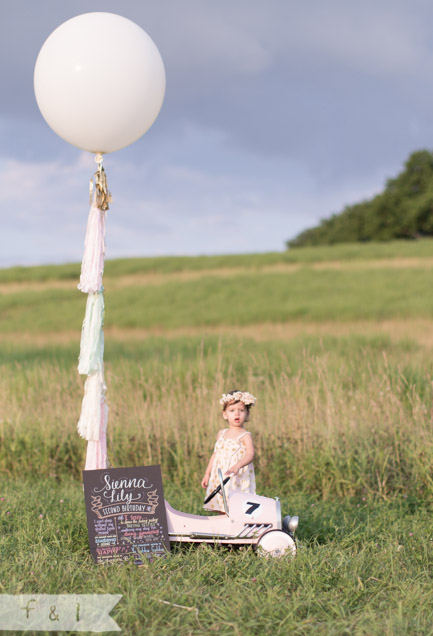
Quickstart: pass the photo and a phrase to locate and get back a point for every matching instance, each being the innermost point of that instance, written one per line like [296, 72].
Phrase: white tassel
[92, 266]
[92, 336]
[94, 408]
[96, 456]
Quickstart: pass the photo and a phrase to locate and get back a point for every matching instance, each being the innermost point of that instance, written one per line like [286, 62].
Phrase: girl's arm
[205, 480]
[247, 441]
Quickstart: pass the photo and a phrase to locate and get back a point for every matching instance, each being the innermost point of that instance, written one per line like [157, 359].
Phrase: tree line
[404, 210]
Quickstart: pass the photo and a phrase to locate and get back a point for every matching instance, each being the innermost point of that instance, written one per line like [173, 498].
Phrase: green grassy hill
[344, 283]
[422, 248]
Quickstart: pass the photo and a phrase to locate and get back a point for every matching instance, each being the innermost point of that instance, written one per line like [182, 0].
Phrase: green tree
[403, 210]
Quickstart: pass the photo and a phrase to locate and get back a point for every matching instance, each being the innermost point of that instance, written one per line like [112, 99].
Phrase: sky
[277, 114]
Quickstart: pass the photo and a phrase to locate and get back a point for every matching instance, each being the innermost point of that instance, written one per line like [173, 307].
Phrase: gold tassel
[103, 195]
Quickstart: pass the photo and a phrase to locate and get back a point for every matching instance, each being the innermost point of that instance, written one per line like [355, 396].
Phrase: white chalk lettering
[118, 490]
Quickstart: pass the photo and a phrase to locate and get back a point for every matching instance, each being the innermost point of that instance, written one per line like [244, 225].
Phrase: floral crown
[238, 396]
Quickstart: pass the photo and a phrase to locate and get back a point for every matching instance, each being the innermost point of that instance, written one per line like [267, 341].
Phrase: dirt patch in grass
[155, 278]
[417, 330]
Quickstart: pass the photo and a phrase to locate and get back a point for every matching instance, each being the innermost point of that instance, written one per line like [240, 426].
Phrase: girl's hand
[205, 481]
[233, 470]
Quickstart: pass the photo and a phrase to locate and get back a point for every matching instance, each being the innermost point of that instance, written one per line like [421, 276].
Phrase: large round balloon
[99, 81]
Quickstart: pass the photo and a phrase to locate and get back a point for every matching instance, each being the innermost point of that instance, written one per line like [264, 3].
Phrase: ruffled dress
[227, 453]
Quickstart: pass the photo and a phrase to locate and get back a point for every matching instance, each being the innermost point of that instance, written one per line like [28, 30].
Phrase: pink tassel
[92, 266]
[93, 422]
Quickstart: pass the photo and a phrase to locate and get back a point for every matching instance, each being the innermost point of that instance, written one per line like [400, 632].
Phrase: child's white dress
[227, 453]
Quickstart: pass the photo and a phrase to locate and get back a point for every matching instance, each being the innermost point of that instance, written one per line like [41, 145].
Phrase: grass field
[363, 567]
[337, 345]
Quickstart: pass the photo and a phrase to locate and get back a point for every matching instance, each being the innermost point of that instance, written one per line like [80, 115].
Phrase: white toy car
[249, 519]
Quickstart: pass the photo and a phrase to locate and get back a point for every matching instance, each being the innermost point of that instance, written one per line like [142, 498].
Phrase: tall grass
[354, 420]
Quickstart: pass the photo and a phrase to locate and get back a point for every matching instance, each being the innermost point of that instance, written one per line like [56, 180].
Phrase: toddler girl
[234, 450]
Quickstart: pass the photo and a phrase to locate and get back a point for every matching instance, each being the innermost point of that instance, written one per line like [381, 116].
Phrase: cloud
[386, 38]
[39, 183]
[163, 203]
[214, 39]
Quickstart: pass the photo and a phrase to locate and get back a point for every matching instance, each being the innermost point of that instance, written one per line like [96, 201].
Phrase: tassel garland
[92, 424]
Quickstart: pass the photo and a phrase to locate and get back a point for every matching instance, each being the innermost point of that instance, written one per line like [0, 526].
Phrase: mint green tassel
[92, 336]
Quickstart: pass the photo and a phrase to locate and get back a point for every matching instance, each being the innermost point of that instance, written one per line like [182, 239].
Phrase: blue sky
[277, 113]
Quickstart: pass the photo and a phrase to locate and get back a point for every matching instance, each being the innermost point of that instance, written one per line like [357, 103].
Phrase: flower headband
[238, 396]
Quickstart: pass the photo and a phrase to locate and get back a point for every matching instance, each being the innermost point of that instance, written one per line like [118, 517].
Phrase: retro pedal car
[248, 520]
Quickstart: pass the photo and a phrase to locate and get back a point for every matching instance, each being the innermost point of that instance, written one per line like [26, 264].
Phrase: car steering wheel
[216, 491]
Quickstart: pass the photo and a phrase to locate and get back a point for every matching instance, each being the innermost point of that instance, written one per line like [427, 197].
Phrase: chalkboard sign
[125, 513]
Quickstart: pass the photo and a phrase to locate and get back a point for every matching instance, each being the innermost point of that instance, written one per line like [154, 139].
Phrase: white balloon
[99, 81]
